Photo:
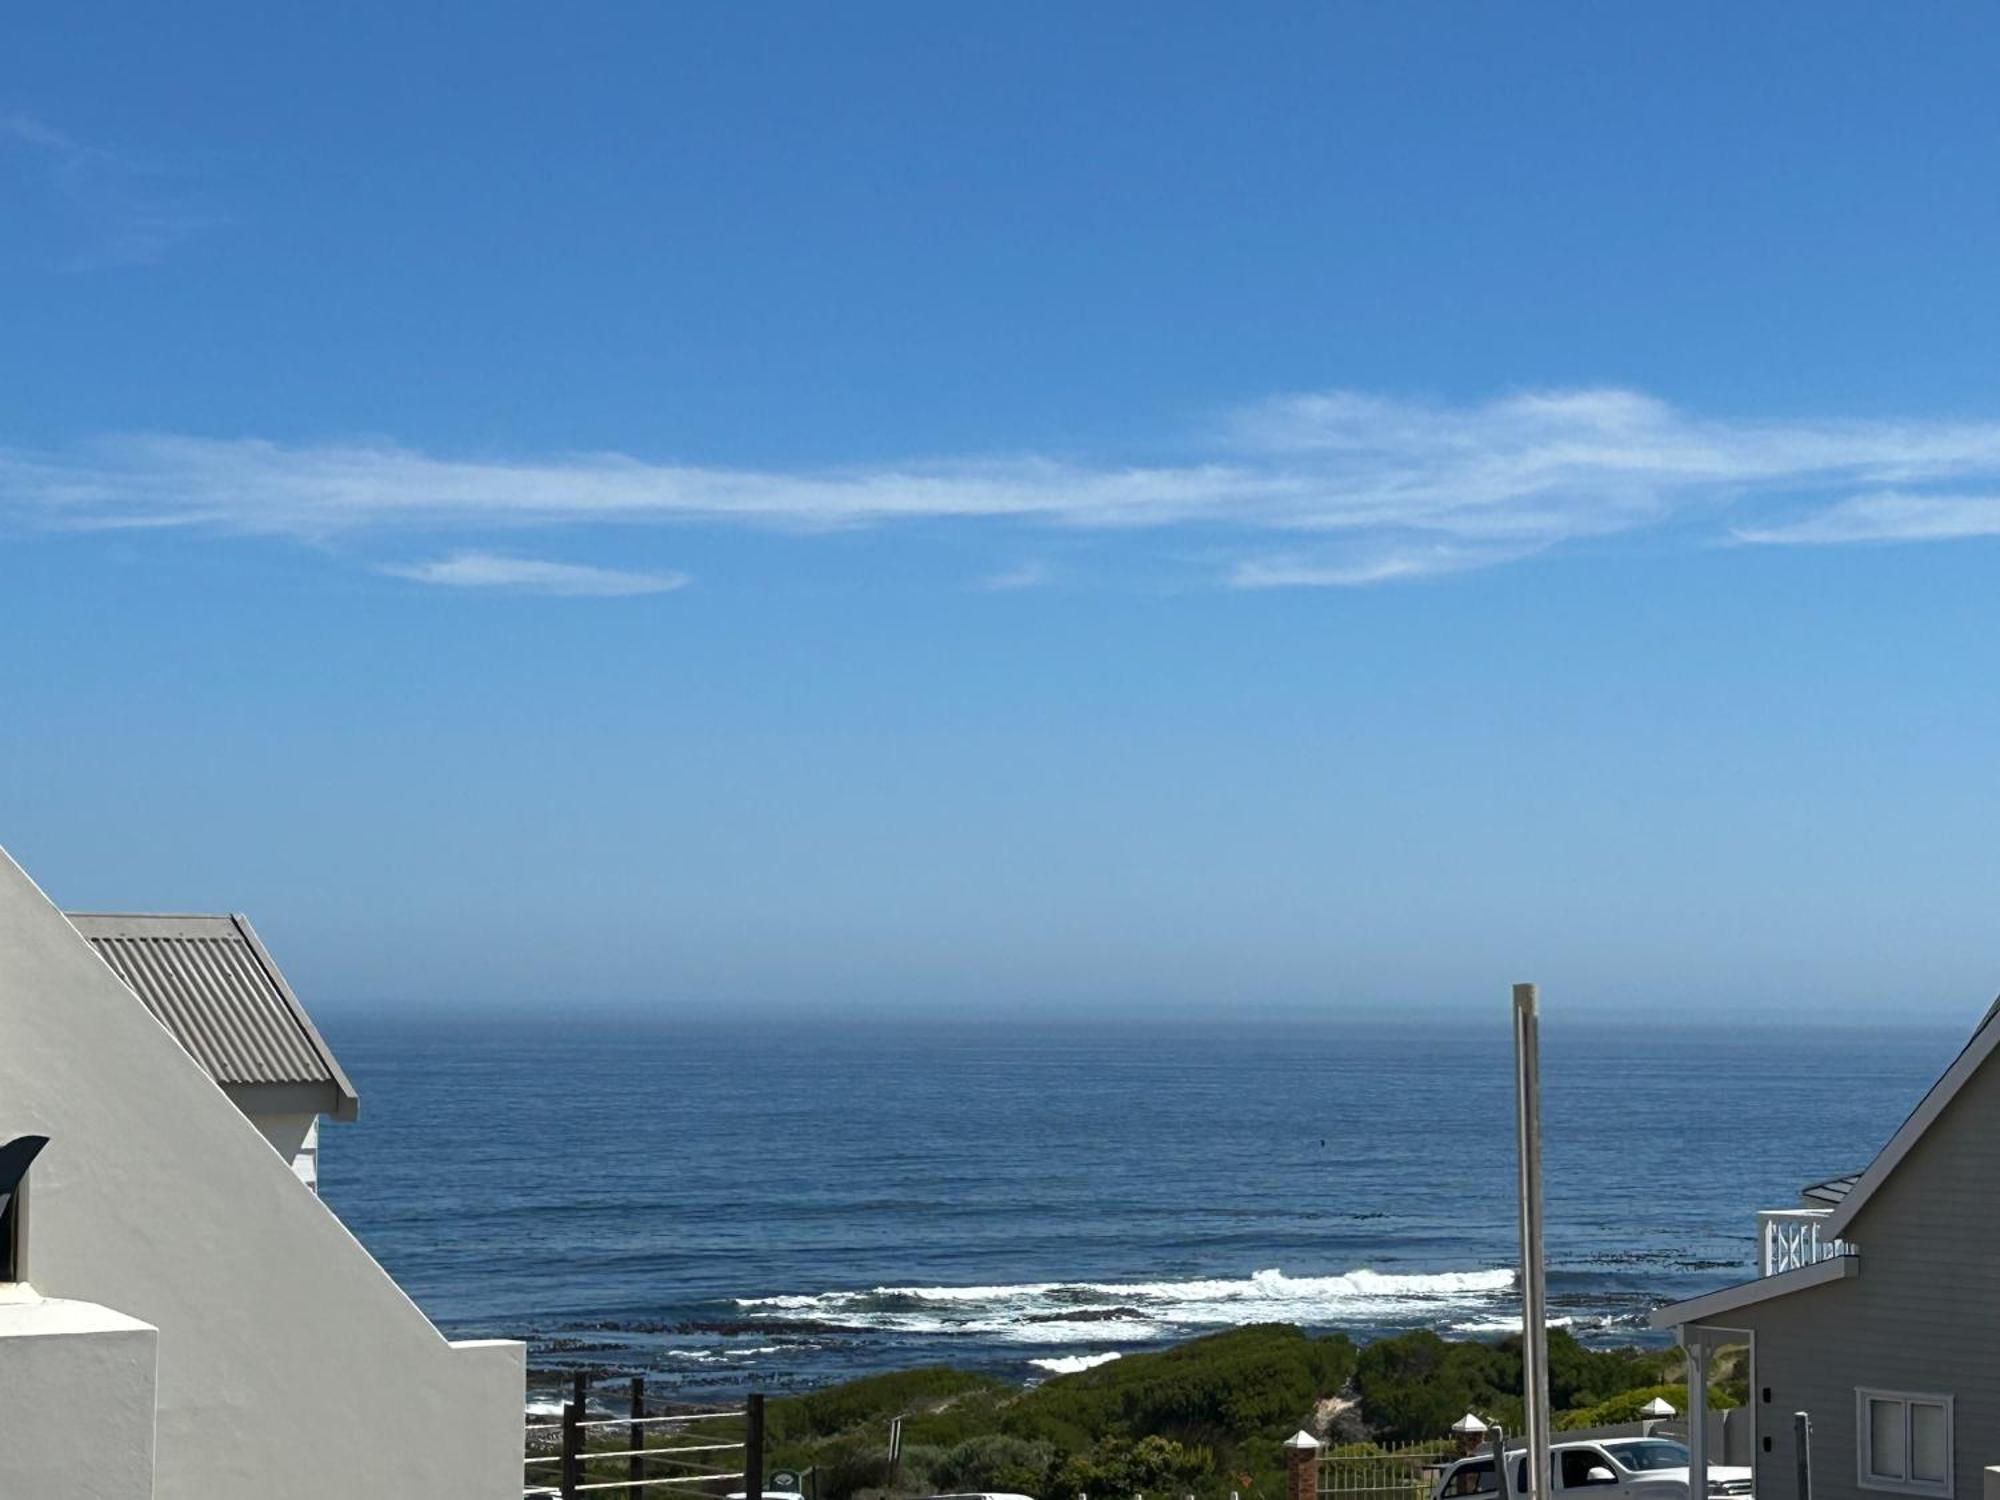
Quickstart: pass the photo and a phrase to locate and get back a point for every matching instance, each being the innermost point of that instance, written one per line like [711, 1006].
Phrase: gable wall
[1923, 1316]
[289, 1363]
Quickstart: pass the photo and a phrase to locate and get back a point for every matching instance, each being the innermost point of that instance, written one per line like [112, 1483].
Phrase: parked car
[1636, 1468]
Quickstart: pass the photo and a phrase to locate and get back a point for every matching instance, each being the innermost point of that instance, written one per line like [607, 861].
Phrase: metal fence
[705, 1454]
[1404, 1472]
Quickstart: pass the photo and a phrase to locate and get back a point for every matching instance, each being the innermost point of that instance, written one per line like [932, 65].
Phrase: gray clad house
[1877, 1310]
[210, 981]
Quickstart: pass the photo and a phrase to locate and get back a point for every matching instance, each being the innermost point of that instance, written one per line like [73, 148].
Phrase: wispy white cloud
[254, 486]
[531, 575]
[29, 131]
[1357, 567]
[1028, 575]
[1888, 517]
[1363, 489]
[99, 208]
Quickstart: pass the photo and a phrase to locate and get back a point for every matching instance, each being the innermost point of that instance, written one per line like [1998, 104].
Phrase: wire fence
[707, 1455]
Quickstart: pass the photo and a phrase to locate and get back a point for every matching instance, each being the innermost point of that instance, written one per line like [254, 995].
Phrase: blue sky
[1317, 509]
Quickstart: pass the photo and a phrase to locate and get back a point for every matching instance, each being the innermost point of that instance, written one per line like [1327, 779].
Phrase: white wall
[289, 1363]
[293, 1136]
[286, 1132]
[76, 1401]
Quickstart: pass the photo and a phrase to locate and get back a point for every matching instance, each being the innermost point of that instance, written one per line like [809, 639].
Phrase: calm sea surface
[786, 1204]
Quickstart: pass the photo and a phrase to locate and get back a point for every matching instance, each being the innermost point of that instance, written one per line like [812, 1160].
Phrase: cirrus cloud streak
[532, 575]
[1322, 489]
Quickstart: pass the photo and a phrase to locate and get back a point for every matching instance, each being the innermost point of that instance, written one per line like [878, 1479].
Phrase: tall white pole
[1534, 1286]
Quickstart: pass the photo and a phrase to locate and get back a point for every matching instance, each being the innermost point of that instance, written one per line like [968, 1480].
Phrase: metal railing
[1789, 1239]
[1404, 1472]
[691, 1453]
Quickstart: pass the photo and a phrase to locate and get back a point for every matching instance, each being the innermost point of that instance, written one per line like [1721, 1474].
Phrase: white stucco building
[184, 1319]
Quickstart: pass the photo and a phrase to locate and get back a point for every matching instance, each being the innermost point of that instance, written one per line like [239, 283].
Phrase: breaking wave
[1481, 1327]
[1073, 1364]
[1122, 1312]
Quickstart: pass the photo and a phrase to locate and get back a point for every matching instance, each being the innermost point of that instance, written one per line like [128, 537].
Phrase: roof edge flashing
[1749, 1293]
[349, 1102]
[1971, 1057]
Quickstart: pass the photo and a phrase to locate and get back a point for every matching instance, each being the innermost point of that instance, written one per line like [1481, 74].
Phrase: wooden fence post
[635, 1468]
[753, 1448]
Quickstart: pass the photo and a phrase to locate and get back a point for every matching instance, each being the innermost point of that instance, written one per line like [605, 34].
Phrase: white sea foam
[1073, 1364]
[1501, 1325]
[1112, 1312]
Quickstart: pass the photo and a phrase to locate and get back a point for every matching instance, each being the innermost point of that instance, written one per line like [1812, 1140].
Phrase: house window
[15, 1159]
[1904, 1442]
[10, 1237]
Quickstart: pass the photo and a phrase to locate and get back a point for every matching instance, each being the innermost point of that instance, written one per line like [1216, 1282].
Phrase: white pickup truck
[1634, 1468]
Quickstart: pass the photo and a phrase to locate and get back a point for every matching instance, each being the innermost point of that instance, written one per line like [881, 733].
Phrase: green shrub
[995, 1463]
[1119, 1467]
[1224, 1389]
[1624, 1407]
[1414, 1386]
[871, 1399]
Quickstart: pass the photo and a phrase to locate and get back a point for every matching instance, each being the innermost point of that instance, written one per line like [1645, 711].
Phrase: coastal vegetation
[1205, 1417]
[1414, 1386]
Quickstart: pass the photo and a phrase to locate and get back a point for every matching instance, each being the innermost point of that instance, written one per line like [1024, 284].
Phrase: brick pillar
[1302, 1467]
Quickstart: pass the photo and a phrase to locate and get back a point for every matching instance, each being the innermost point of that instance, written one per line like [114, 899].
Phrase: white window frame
[1864, 1435]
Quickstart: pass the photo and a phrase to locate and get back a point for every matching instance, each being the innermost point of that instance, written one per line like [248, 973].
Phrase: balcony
[1789, 1239]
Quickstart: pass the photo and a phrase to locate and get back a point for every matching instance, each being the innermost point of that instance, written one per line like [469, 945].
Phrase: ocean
[779, 1204]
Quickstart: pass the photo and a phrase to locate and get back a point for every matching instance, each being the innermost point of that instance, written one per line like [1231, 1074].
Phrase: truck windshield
[1649, 1453]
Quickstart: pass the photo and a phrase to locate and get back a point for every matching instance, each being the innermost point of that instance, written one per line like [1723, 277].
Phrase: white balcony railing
[1789, 1238]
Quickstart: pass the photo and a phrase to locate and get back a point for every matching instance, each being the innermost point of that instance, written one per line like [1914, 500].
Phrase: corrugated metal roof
[211, 983]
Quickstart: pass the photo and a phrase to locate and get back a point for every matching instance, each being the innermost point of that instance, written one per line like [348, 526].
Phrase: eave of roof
[211, 982]
[1970, 1059]
[1746, 1294]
